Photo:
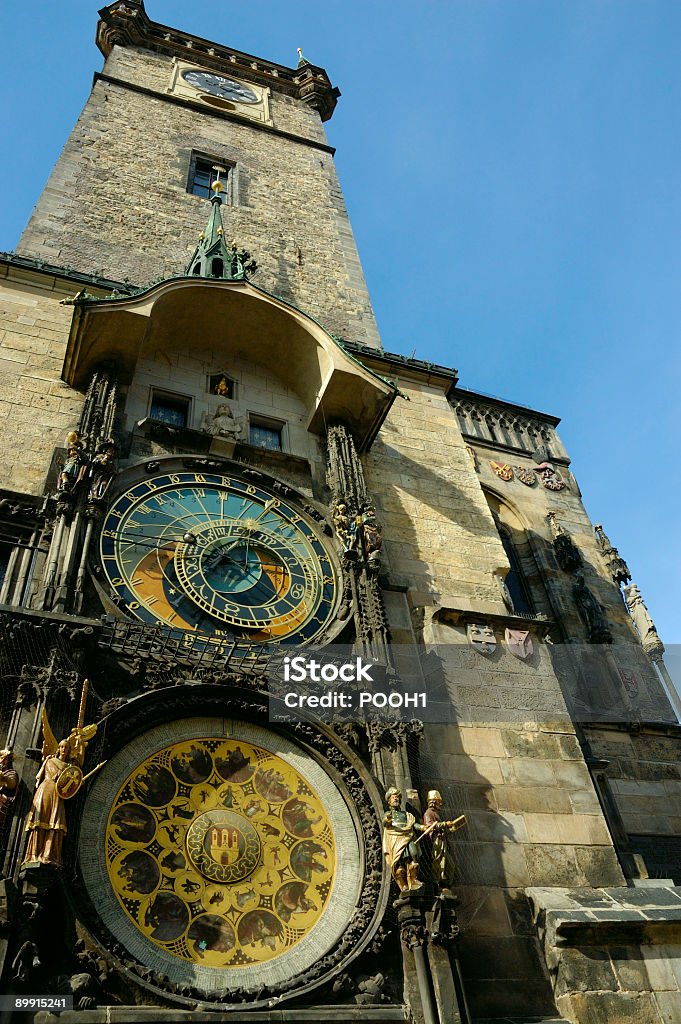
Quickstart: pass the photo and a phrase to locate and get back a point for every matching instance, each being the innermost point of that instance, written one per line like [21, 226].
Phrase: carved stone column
[444, 962]
[81, 490]
[414, 938]
[359, 540]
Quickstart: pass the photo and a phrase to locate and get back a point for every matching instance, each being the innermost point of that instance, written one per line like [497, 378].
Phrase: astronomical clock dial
[216, 554]
[218, 85]
[223, 849]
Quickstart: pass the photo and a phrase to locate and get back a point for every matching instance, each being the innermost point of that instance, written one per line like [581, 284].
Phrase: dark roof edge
[504, 403]
[13, 259]
[394, 359]
[127, 24]
[159, 29]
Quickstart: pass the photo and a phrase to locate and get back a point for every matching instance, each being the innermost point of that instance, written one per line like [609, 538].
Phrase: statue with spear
[59, 778]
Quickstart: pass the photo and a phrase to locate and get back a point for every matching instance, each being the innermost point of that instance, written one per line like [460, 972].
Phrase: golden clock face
[215, 850]
[220, 852]
[218, 554]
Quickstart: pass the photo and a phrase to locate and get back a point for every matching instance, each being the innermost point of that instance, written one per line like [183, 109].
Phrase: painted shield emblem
[69, 781]
[526, 476]
[482, 638]
[223, 846]
[502, 470]
[519, 643]
[550, 477]
[629, 681]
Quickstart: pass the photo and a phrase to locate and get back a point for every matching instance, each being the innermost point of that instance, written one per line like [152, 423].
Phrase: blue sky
[512, 172]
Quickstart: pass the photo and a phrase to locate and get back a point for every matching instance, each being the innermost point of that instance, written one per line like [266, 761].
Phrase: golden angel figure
[59, 778]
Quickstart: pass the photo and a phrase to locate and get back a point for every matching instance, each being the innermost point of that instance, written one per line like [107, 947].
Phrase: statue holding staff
[436, 830]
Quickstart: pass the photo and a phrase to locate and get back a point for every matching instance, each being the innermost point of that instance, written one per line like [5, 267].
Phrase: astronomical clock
[215, 553]
[222, 855]
[225, 848]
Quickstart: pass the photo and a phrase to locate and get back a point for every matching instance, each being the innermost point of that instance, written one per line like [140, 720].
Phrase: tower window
[515, 580]
[171, 409]
[221, 384]
[201, 174]
[266, 434]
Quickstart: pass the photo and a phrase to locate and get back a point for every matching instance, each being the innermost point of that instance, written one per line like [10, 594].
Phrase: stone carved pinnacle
[617, 567]
[567, 555]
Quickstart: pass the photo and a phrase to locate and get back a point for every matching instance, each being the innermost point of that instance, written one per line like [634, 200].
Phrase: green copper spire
[213, 257]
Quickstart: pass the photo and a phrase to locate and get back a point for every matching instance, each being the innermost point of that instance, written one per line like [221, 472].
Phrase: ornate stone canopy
[186, 313]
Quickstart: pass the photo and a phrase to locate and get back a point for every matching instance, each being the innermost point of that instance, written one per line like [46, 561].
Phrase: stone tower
[210, 462]
[129, 183]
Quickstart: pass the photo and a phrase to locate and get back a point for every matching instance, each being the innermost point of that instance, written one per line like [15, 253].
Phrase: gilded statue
[442, 862]
[59, 778]
[399, 842]
[75, 464]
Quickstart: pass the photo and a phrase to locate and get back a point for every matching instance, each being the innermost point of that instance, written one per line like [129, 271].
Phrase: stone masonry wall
[153, 71]
[532, 815]
[36, 408]
[511, 762]
[116, 201]
[438, 530]
[613, 954]
[644, 785]
[644, 772]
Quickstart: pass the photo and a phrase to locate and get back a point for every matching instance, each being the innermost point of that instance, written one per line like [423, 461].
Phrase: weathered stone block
[484, 911]
[613, 1008]
[497, 864]
[584, 970]
[669, 1006]
[519, 743]
[541, 799]
[598, 865]
[532, 772]
[630, 969]
[552, 864]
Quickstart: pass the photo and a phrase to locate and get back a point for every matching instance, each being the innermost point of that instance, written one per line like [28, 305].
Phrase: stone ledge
[158, 1015]
[521, 1020]
[624, 915]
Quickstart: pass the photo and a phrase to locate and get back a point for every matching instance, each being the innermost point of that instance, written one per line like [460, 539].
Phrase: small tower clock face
[218, 85]
[220, 555]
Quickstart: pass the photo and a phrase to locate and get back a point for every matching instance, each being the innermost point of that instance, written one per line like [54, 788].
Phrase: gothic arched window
[515, 580]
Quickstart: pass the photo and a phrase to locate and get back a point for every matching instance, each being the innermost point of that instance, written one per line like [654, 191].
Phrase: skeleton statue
[102, 470]
[367, 528]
